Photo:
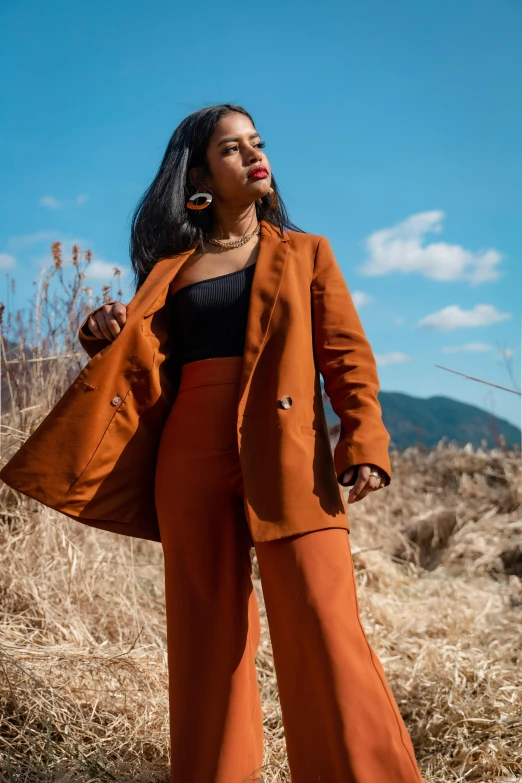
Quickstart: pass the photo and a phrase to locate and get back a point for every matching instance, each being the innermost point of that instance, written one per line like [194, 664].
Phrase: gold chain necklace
[233, 242]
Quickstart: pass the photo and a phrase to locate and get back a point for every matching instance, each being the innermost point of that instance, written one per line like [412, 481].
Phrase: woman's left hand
[364, 482]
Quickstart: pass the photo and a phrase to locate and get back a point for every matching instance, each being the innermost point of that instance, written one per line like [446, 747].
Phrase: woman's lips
[258, 174]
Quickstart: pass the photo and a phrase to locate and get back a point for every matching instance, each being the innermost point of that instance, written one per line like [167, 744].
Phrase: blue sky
[392, 128]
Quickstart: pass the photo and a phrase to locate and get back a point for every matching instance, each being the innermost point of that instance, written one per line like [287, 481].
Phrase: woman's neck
[231, 224]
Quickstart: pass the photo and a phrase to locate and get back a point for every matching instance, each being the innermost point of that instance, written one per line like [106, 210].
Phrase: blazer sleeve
[89, 342]
[347, 364]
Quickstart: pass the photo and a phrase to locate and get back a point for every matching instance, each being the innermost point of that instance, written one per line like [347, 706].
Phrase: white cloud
[393, 357]
[29, 240]
[454, 317]
[103, 271]
[50, 201]
[67, 243]
[7, 261]
[361, 298]
[53, 203]
[401, 249]
[34, 250]
[400, 320]
[98, 270]
[471, 347]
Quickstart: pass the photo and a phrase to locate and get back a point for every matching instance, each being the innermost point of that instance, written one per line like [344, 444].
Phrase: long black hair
[161, 224]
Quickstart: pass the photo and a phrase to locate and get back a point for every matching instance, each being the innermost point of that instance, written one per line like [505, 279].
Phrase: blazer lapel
[270, 267]
[156, 286]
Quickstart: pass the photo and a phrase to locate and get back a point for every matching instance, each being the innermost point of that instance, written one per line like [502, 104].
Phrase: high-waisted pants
[340, 719]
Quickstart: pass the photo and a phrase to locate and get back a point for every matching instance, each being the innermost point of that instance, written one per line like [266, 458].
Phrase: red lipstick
[258, 172]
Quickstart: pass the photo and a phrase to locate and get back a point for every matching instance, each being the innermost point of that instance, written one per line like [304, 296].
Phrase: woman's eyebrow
[235, 138]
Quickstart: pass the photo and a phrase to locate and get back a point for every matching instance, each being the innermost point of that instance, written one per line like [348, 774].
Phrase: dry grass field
[83, 680]
[83, 691]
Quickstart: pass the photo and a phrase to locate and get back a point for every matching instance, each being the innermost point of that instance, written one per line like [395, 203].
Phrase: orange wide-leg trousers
[341, 721]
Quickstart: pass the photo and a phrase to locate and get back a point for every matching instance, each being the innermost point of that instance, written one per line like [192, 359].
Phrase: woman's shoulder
[297, 238]
[305, 239]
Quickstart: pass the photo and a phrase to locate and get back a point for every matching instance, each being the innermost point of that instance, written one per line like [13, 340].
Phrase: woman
[221, 444]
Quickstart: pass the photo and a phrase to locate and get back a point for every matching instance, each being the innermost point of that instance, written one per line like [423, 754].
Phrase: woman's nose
[255, 154]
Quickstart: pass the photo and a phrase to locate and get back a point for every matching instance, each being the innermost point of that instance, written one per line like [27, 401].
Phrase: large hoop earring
[273, 198]
[194, 201]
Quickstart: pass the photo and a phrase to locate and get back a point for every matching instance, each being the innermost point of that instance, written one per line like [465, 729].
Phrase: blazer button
[115, 400]
[285, 401]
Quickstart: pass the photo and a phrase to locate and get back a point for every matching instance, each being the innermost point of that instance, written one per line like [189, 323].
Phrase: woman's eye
[234, 148]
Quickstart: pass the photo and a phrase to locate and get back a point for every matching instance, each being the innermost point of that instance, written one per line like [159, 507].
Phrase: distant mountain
[413, 421]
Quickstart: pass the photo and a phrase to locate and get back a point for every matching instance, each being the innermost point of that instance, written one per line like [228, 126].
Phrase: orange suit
[226, 454]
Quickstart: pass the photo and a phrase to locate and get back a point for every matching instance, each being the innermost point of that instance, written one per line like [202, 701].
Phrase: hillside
[413, 421]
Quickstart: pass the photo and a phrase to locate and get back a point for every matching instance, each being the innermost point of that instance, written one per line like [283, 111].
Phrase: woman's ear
[196, 178]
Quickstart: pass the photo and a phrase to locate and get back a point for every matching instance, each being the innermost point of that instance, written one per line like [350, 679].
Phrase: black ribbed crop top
[209, 317]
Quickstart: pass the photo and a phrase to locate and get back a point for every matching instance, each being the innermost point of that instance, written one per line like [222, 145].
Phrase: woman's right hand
[107, 321]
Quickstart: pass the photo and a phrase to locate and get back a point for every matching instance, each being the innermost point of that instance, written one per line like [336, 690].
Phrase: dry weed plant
[83, 675]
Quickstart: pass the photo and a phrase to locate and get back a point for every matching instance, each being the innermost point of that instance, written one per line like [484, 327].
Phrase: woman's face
[234, 152]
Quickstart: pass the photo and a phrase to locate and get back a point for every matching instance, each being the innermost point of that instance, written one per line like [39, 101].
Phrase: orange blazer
[93, 456]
